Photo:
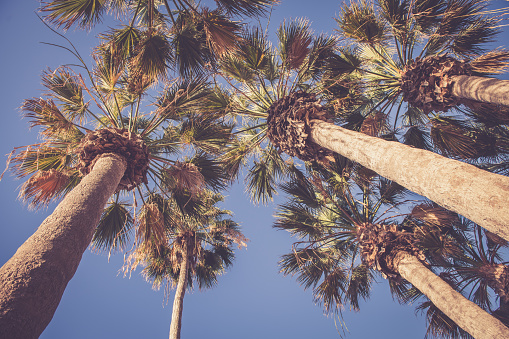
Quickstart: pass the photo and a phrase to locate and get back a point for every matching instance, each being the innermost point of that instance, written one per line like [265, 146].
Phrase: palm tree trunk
[33, 280]
[482, 89]
[476, 194]
[462, 311]
[178, 301]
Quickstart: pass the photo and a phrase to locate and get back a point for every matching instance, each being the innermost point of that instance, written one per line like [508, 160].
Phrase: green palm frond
[395, 12]
[152, 56]
[341, 63]
[360, 23]
[205, 133]
[331, 290]
[214, 175]
[66, 88]
[112, 233]
[65, 13]
[261, 182]
[416, 137]
[455, 138]
[45, 113]
[470, 39]
[299, 221]
[122, 42]
[427, 14]
[191, 51]
[149, 15]
[254, 50]
[28, 160]
[245, 7]
[359, 285]
[184, 96]
[440, 325]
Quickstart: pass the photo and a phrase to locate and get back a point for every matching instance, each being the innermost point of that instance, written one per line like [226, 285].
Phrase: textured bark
[33, 280]
[490, 90]
[178, 301]
[478, 195]
[462, 311]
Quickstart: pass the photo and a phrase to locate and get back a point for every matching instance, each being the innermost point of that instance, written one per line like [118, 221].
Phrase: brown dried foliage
[184, 176]
[288, 126]
[379, 245]
[43, 186]
[427, 84]
[118, 141]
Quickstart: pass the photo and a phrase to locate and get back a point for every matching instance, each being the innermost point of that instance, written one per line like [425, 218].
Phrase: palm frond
[359, 22]
[45, 186]
[294, 39]
[222, 34]
[249, 8]
[153, 56]
[68, 12]
[112, 233]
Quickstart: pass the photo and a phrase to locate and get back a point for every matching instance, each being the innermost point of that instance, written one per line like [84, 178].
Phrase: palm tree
[94, 148]
[190, 33]
[188, 247]
[427, 53]
[259, 75]
[470, 261]
[409, 56]
[339, 229]
[266, 83]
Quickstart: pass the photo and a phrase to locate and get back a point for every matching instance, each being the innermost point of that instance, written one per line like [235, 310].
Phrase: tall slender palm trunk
[33, 280]
[482, 89]
[462, 311]
[178, 301]
[476, 194]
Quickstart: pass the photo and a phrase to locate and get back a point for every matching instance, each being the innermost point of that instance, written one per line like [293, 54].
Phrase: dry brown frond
[235, 236]
[43, 186]
[185, 176]
[493, 62]
[221, 33]
[375, 124]
[150, 228]
[433, 214]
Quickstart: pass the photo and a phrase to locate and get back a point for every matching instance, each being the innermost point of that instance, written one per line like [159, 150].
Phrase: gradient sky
[252, 300]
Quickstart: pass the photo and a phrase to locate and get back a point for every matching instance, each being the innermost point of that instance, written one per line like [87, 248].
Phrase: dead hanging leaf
[375, 124]
[44, 186]
[433, 214]
[492, 62]
[221, 33]
[150, 226]
[185, 176]
[234, 236]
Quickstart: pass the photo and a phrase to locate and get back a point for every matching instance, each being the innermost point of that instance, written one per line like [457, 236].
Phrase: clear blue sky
[251, 300]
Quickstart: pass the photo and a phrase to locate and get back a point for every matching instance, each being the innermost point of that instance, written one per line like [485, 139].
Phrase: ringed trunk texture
[482, 89]
[462, 311]
[178, 301]
[478, 195]
[33, 280]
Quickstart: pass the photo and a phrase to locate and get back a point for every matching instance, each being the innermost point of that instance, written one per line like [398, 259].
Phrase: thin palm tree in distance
[191, 249]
